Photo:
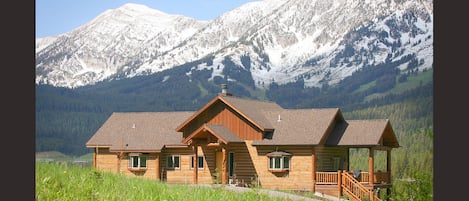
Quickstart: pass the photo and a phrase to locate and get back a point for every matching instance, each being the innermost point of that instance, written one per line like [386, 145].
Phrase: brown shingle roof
[299, 127]
[376, 132]
[224, 133]
[140, 131]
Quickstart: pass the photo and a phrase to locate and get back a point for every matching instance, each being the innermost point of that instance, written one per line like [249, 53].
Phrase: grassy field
[65, 181]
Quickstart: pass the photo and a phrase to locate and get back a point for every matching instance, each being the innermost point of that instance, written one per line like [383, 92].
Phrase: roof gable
[247, 108]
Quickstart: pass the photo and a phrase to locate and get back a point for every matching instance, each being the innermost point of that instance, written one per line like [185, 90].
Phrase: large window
[137, 161]
[200, 162]
[173, 162]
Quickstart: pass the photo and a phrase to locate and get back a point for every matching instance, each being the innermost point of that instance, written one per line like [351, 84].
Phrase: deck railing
[355, 190]
[331, 177]
[379, 177]
[326, 178]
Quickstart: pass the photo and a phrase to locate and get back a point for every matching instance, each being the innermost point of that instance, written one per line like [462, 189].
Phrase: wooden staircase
[354, 189]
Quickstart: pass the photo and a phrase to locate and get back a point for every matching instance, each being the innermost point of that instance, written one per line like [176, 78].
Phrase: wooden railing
[354, 189]
[326, 178]
[379, 177]
[331, 177]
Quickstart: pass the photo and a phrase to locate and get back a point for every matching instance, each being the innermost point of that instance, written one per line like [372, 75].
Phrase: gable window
[173, 162]
[137, 161]
[279, 161]
[200, 162]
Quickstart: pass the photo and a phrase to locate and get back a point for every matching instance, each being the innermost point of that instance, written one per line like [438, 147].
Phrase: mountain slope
[279, 41]
[111, 45]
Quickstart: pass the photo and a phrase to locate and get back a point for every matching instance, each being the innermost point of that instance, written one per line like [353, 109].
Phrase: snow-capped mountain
[320, 41]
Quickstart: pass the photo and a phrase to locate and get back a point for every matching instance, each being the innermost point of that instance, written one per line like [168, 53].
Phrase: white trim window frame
[137, 162]
[200, 162]
[279, 163]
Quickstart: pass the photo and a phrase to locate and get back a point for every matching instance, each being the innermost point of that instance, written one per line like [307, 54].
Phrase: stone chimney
[224, 90]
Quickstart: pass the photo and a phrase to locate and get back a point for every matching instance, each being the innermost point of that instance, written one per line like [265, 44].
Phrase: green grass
[59, 181]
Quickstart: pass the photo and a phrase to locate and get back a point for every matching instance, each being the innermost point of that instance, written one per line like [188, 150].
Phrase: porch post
[339, 182]
[119, 155]
[95, 157]
[388, 168]
[195, 163]
[371, 167]
[223, 165]
[313, 168]
[157, 166]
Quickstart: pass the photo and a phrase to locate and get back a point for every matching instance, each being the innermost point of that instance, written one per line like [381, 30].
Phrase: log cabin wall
[106, 161]
[331, 159]
[185, 173]
[299, 176]
[219, 113]
[209, 173]
[244, 168]
[151, 169]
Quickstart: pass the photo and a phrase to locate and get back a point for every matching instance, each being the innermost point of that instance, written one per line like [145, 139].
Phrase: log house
[244, 142]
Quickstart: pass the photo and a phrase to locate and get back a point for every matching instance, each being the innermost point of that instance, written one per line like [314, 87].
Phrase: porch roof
[219, 131]
[376, 132]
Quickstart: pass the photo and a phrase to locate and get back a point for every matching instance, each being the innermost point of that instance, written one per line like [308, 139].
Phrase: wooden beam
[313, 169]
[195, 147]
[339, 182]
[119, 162]
[371, 167]
[223, 165]
[157, 167]
[388, 169]
[95, 157]
[388, 162]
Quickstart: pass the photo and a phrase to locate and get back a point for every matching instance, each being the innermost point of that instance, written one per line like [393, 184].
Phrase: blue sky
[55, 17]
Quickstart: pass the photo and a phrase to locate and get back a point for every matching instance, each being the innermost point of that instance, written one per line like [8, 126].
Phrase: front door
[218, 161]
[218, 166]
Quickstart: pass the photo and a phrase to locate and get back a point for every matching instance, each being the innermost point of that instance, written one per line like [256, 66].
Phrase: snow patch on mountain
[319, 41]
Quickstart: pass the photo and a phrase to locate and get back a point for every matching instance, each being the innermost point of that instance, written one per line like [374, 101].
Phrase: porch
[332, 178]
[356, 186]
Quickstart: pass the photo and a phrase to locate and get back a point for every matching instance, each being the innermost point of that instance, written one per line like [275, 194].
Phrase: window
[231, 164]
[137, 162]
[200, 162]
[173, 162]
[279, 163]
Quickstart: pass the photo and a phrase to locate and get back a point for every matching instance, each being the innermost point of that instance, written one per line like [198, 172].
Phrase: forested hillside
[66, 115]
[67, 118]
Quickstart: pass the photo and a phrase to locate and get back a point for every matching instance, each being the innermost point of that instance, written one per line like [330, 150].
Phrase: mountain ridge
[289, 39]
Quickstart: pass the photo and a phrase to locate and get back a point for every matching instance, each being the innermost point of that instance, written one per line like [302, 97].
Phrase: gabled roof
[248, 108]
[375, 132]
[219, 131]
[139, 131]
[152, 131]
[299, 127]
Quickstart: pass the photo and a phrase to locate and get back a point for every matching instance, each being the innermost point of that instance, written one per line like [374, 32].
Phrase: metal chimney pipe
[224, 88]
